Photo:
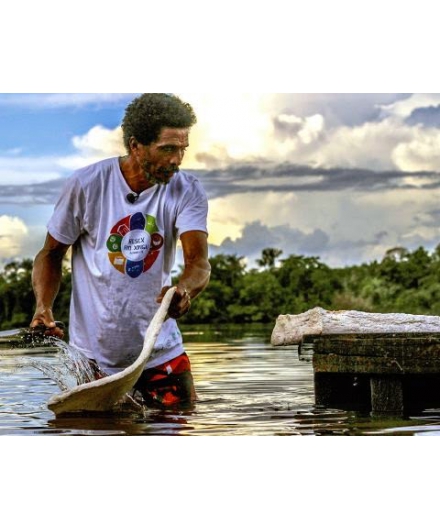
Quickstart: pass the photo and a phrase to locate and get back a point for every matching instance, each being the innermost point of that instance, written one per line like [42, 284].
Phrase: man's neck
[133, 174]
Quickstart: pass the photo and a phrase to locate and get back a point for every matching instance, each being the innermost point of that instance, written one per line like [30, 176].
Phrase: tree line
[402, 282]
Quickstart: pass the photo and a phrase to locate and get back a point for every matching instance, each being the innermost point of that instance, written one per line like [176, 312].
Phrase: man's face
[162, 158]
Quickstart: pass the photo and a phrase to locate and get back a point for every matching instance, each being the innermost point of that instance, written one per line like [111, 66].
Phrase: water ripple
[245, 387]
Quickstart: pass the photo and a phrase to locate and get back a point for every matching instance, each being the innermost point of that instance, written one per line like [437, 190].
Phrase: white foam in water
[72, 370]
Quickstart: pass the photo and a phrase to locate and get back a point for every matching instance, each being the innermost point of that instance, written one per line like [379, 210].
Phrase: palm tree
[268, 257]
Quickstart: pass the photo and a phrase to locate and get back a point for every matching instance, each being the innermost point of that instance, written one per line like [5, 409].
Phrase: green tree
[306, 283]
[17, 300]
[16, 294]
[258, 299]
[227, 272]
[268, 257]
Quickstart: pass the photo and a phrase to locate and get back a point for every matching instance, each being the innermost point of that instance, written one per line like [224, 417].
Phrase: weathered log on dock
[290, 329]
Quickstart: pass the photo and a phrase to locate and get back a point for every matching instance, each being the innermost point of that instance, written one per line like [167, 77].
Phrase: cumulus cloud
[229, 215]
[406, 107]
[425, 116]
[327, 246]
[350, 110]
[257, 236]
[339, 227]
[98, 143]
[304, 130]
[420, 151]
[13, 234]
[19, 239]
[371, 131]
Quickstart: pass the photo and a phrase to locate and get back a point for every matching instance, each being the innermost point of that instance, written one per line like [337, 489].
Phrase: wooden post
[324, 388]
[386, 395]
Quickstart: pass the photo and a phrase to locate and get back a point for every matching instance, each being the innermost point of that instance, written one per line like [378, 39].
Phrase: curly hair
[147, 114]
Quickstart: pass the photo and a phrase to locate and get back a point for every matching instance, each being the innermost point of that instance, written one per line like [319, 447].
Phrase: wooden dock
[386, 373]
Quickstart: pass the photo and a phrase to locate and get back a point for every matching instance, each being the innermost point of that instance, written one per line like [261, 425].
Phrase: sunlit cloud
[234, 125]
[403, 108]
[421, 151]
[13, 234]
[97, 144]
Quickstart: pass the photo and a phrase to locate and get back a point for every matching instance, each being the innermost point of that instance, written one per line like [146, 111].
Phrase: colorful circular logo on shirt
[134, 244]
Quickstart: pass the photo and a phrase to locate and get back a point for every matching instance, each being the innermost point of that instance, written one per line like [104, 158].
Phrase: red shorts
[168, 384]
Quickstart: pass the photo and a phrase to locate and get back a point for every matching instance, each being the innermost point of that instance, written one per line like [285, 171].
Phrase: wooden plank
[400, 344]
[401, 353]
[375, 365]
[386, 395]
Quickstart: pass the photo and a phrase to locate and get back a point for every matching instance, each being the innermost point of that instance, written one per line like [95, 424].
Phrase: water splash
[72, 368]
[66, 366]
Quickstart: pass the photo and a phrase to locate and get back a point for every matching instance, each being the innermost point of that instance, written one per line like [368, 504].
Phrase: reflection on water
[244, 387]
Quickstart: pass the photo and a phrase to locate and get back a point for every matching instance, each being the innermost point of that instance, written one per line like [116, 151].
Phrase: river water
[244, 386]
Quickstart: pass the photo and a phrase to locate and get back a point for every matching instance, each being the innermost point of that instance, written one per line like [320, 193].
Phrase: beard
[161, 176]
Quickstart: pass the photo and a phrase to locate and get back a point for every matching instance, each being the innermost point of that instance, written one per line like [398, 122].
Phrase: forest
[403, 281]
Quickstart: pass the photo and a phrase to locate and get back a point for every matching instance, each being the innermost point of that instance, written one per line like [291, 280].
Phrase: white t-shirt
[122, 256]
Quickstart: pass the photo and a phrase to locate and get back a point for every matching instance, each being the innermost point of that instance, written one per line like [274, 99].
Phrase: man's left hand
[181, 302]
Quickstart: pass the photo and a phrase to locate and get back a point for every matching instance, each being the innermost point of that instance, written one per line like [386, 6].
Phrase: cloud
[292, 241]
[13, 234]
[228, 215]
[420, 151]
[426, 116]
[100, 141]
[19, 240]
[350, 110]
[97, 144]
[336, 249]
[311, 132]
[257, 236]
[306, 130]
[42, 177]
[339, 226]
[406, 107]
[372, 131]
[20, 174]
[28, 170]
[287, 177]
[31, 194]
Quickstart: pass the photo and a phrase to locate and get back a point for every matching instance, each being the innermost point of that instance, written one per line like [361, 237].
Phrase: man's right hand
[45, 318]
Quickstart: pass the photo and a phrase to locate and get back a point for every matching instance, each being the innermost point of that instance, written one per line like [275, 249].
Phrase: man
[122, 217]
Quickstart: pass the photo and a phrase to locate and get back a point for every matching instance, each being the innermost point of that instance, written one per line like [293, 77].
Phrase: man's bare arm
[46, 280]
[195, 275]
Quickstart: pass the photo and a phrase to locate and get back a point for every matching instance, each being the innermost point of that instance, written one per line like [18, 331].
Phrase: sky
[340, 176]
